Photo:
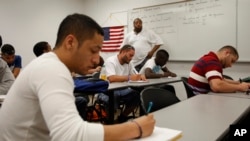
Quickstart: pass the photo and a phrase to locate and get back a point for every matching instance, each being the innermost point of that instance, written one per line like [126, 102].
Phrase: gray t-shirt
[6, 77]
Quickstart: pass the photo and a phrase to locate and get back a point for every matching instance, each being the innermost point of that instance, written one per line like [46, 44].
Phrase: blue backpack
[93, 85]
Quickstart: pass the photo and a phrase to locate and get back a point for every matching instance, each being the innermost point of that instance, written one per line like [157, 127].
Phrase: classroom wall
[25, 22]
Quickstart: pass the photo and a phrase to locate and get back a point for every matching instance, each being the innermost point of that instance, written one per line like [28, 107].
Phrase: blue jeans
[128, 96]
[81, 105]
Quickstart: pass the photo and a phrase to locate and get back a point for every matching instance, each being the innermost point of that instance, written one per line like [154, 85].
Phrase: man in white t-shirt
[40, 105]
[120, 69]
[145, 42]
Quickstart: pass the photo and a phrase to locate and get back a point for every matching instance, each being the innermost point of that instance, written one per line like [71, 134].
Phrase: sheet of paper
[162, 134]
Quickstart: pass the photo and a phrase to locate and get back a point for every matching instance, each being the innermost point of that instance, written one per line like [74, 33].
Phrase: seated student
[98, 67]
[119, 69]
[41, 47]
[14, 61]
[6, 76]
[207, 73]
[43, 108]
[156, 66]
[81, 102]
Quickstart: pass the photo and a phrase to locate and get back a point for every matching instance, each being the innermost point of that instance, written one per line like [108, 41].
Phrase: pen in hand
[150, 104]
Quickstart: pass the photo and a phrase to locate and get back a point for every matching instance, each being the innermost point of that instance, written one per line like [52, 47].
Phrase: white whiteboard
[190, 29]
[243, 37]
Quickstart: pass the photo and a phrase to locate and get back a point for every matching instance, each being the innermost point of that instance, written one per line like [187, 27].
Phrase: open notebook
[162, 134]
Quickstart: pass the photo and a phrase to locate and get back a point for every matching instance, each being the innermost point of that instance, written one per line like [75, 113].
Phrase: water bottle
[103, 73]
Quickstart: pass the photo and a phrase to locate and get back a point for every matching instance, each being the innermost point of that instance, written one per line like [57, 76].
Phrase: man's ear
[226, 53]
[71, 42]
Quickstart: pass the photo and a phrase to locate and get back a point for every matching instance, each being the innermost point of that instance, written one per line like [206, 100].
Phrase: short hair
[1, 41]
[232, 49]
[162, 54]
[40, 47]
[126, 48]
[8, 49]
[81, 26]
[137, 19]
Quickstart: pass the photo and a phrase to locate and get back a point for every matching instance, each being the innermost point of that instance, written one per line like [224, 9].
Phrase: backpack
[97, 112]
[93, 85]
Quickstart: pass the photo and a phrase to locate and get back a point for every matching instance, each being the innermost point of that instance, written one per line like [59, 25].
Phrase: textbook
[162, 134]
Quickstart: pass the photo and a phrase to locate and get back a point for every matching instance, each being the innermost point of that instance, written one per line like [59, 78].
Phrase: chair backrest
[159, 97]
[227, 77]
[189, 90]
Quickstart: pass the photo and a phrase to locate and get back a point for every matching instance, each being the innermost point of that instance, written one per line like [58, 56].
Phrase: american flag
[113, 37]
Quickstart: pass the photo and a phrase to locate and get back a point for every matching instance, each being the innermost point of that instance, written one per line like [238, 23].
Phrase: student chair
[189, 90]
[159, 97]
[227, 77]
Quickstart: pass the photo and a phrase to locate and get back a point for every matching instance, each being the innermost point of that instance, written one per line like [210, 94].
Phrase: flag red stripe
[116, 36]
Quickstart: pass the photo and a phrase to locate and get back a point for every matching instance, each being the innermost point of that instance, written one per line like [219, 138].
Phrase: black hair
[8, 49]
[137, 19]
[162, 53]
[40, 47]
[81, 26]
[126, 47]
[1, 41]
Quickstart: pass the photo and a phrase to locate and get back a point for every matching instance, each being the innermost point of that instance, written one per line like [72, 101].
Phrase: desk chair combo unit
[188, 89]
[158, 97]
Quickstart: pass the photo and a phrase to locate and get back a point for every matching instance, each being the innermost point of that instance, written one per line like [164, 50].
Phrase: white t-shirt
[151, 64]
[143, 42]
[113, 67]
[40, 106]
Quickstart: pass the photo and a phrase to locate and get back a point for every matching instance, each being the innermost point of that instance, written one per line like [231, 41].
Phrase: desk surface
[156, 81]
[238, 94]
[203, 117]
[117, 85]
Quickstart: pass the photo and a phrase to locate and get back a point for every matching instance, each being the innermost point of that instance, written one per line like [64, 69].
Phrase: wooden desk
[237, 94]
[203, 117]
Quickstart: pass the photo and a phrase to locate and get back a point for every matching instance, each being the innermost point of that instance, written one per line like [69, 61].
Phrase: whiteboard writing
[190, 29]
